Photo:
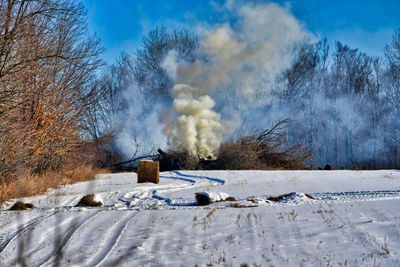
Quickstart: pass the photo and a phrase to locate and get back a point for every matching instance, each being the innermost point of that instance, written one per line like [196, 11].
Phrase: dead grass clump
[88, 201]
[272, 198]
[310, 196]
[278, 198]
[81, 174]
[22, 206]
[28, 184]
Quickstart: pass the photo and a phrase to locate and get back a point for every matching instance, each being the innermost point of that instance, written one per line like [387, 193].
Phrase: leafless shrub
[262, 149]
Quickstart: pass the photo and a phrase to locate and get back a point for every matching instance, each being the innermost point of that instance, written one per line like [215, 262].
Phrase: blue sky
[367, 25]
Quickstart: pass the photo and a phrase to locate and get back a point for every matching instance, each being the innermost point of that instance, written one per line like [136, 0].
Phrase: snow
[354, 219]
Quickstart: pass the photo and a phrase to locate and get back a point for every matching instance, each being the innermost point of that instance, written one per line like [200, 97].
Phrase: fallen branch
[133, 160]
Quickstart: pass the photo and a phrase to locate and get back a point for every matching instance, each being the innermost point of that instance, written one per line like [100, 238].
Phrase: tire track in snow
[199, 177]
[67, 236]
[150, 197]
[27, 227]
[144, 197]
[339, 197]
[43, 236]
[179, 178]
[357, 195]
[111, 240]
[183, 202]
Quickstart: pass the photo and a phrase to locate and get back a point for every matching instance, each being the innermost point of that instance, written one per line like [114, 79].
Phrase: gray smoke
[242, 61]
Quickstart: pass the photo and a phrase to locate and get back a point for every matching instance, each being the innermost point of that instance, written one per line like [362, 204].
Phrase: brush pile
[262, 149]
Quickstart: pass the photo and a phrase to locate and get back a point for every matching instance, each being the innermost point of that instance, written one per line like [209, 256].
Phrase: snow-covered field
[353, 221]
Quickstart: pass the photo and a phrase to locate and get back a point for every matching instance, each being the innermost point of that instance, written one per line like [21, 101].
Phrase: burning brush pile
[259, 149]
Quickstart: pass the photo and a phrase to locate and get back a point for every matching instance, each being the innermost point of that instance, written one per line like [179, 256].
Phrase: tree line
[60, 105]
[340, 104]
[344, 105]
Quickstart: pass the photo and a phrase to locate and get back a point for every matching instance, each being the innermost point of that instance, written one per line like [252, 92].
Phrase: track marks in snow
[199, 177]
[112, 239]
[151, 196]
[62, 242]
[39, 245]
[357, 195]
[178, 178]
[22, 229]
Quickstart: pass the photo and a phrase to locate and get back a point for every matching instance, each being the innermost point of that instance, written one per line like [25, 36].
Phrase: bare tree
[155, 45]
[392, 53]
[47, 64]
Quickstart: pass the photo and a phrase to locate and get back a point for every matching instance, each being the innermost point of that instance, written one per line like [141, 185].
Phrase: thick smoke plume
[199, 128]
[237, 70]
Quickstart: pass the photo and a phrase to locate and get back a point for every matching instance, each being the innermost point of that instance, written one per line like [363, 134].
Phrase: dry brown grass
[273, 198]
[28, 184]
[277, 198]
[230, 199]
